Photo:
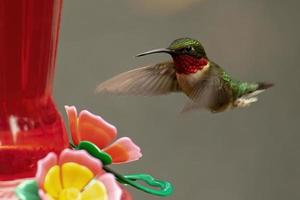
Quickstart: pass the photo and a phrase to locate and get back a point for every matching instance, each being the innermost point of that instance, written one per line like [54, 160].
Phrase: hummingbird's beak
[163, 50]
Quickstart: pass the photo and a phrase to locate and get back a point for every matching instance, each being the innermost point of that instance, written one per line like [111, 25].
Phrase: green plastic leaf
[164, 188]
[157, 187]
[94, 151]
[28, 190]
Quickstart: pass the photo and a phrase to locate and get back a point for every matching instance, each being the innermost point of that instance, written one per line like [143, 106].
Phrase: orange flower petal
[123, 150]
[72, 117]
[95, 129]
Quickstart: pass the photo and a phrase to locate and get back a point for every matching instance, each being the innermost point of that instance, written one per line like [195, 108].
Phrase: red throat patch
[186, 64]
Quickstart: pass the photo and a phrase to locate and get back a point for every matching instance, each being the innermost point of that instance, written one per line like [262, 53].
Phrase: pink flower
[75, 175]
[90, 127]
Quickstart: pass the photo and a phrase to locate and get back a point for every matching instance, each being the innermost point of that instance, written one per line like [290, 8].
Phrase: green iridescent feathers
[182, 43]
[240, 88]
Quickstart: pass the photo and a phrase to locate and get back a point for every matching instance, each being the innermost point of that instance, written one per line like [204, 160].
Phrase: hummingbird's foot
[244, 102]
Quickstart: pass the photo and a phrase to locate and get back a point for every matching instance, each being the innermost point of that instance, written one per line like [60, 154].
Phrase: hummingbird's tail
[246, 89]
[249, 91]
[264, 85]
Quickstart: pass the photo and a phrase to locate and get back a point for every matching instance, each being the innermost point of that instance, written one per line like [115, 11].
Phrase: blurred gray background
[245, 154]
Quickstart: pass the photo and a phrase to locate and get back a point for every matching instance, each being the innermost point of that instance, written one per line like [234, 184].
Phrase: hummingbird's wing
[211, 92]
[151, 80]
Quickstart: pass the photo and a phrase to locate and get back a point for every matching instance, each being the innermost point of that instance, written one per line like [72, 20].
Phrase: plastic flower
[75, 175]
[90, 127]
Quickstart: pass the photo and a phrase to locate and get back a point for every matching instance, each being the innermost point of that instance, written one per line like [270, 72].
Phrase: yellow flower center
[70, 194]
[73, 181]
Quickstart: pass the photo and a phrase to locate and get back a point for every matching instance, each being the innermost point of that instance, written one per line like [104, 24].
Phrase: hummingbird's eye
[188, 49]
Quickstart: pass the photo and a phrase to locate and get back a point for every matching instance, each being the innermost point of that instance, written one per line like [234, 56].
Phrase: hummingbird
[190, 72]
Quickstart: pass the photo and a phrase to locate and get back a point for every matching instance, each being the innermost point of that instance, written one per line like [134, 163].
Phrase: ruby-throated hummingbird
[191, 72]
